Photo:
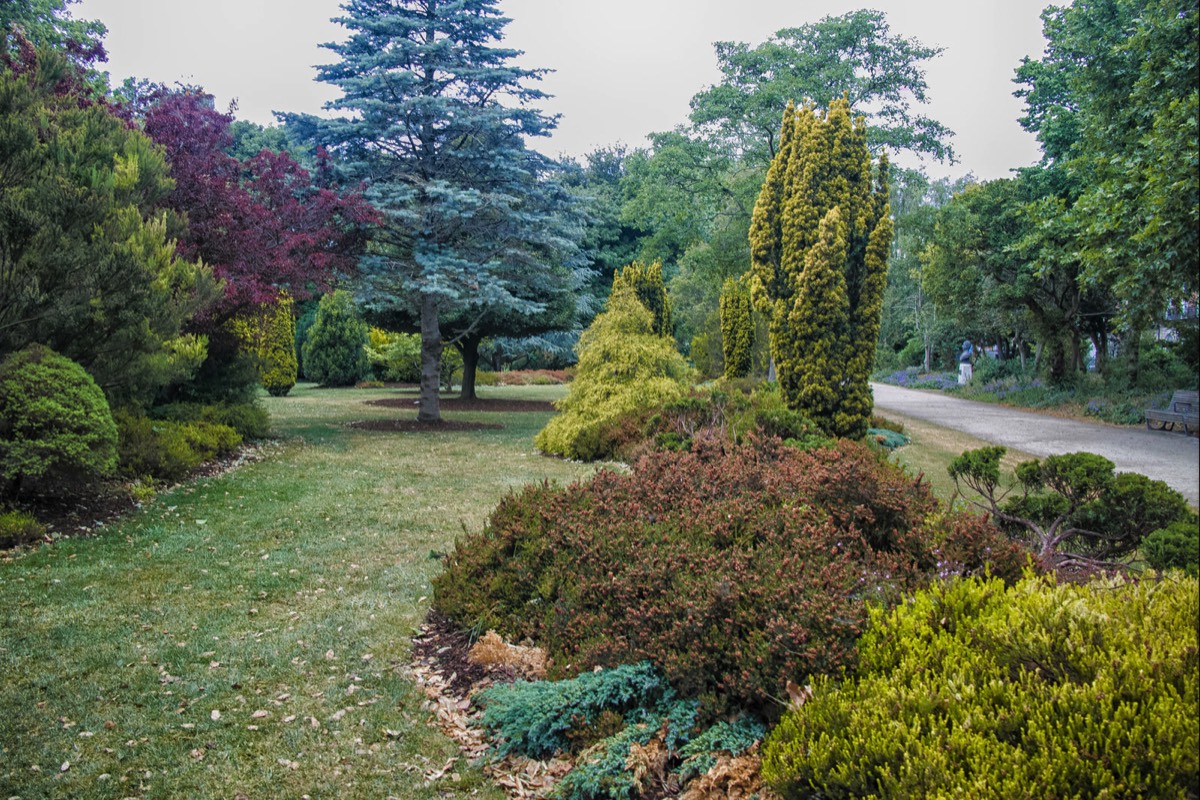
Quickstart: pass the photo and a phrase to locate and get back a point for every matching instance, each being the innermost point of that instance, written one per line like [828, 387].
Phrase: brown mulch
[414, 426]
[458, 404]
[443, 672]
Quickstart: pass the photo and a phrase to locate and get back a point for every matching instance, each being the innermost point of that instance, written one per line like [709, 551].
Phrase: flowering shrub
[731, 568]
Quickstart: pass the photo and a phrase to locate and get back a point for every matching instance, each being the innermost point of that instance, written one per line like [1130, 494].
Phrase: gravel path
[1166, 456]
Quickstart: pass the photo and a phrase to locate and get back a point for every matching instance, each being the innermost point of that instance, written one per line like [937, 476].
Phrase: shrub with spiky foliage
[55, 423]
[623, 366]
[977, 690]
[646, 281]
[819, 239]
[269, 332]
[737, 329]
[335, 348]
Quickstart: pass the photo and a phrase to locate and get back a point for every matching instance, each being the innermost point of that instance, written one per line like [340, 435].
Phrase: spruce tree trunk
[431, 358]
[469, 347]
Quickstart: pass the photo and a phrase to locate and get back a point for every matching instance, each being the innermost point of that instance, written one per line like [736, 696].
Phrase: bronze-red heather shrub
[732, 568]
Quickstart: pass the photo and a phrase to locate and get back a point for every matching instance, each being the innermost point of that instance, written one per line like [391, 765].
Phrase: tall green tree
[86, 265]
[437, 117]
[1114, 102]
[819, 243]
[855, 55]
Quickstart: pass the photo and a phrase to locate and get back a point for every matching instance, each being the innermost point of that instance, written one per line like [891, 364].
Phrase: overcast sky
[623, 68]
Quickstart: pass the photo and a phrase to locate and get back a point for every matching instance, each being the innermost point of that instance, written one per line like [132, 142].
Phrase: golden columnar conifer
[737, 329]
[269, 332]
[819, 240]
[646, 281]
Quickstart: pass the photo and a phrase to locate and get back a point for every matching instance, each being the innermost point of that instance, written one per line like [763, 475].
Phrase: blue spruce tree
[437, 118]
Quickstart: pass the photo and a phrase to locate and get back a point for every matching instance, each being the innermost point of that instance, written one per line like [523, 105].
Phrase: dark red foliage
[262, 225]
[734, 569]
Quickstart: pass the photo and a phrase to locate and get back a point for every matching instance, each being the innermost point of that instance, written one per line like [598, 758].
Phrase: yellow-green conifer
[646, 281]
[737, 329]
[269, 332]
[822, 328]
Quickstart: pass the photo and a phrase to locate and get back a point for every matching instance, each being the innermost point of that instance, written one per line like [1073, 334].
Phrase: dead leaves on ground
[448, 699]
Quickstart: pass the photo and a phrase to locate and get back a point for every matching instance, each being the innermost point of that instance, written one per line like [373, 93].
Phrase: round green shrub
[334, 350]
[732, 569]
[1177, 546]
[19, 527]
[982, 691]
[55, 423]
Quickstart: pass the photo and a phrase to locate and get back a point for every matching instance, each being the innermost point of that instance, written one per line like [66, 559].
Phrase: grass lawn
[245, 636]
[933, 448]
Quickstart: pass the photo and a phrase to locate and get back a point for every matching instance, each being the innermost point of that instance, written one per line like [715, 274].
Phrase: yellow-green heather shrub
[822, 165]
[981, 691]
[623, 365]
[737, 329]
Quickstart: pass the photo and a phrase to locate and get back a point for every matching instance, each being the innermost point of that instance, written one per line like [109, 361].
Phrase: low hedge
[978, 690]
[169, 450]
[731, 569]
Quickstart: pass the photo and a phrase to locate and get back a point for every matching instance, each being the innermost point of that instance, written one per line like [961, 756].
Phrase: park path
[1163, 455]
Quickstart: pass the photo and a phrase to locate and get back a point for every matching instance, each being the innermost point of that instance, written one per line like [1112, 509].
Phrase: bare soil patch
[415, 426]
[458, 404]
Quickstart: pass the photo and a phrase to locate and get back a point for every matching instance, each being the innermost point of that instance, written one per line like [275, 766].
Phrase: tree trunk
[431, 359]
[469, 347]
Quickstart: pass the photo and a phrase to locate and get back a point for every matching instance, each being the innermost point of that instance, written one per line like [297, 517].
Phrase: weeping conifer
[646, 281]
[819, 240]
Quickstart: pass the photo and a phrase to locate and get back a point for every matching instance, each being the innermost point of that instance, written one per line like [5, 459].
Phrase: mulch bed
[413, 426]
[458, 404]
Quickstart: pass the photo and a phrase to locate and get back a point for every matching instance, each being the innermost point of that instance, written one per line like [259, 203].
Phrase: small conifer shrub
[733, 569]
[55, 423]
[334, 349]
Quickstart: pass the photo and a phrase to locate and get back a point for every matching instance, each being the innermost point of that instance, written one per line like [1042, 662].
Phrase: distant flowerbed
[523, 377]
[1122, 408]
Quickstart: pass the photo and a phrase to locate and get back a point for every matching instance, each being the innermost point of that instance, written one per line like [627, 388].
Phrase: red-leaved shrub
[732, 568]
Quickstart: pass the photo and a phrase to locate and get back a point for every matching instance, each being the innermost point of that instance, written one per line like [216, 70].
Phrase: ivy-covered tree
[819, 243]
[737, 329]
[437, 117]
[646, 283]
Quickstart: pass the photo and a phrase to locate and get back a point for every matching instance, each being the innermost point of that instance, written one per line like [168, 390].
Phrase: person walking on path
[1169, 457]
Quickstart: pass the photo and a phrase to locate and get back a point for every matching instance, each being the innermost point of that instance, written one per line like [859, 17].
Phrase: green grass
[281, 596]
[933, 448]
[247, 635]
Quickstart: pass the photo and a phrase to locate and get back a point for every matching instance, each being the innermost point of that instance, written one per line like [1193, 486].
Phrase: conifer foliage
[819, 241]
[435, 126]
[737, 329]
[646, 281]
[269, 332]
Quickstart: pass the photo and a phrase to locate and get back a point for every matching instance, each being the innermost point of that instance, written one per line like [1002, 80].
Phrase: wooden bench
[1182, 410]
